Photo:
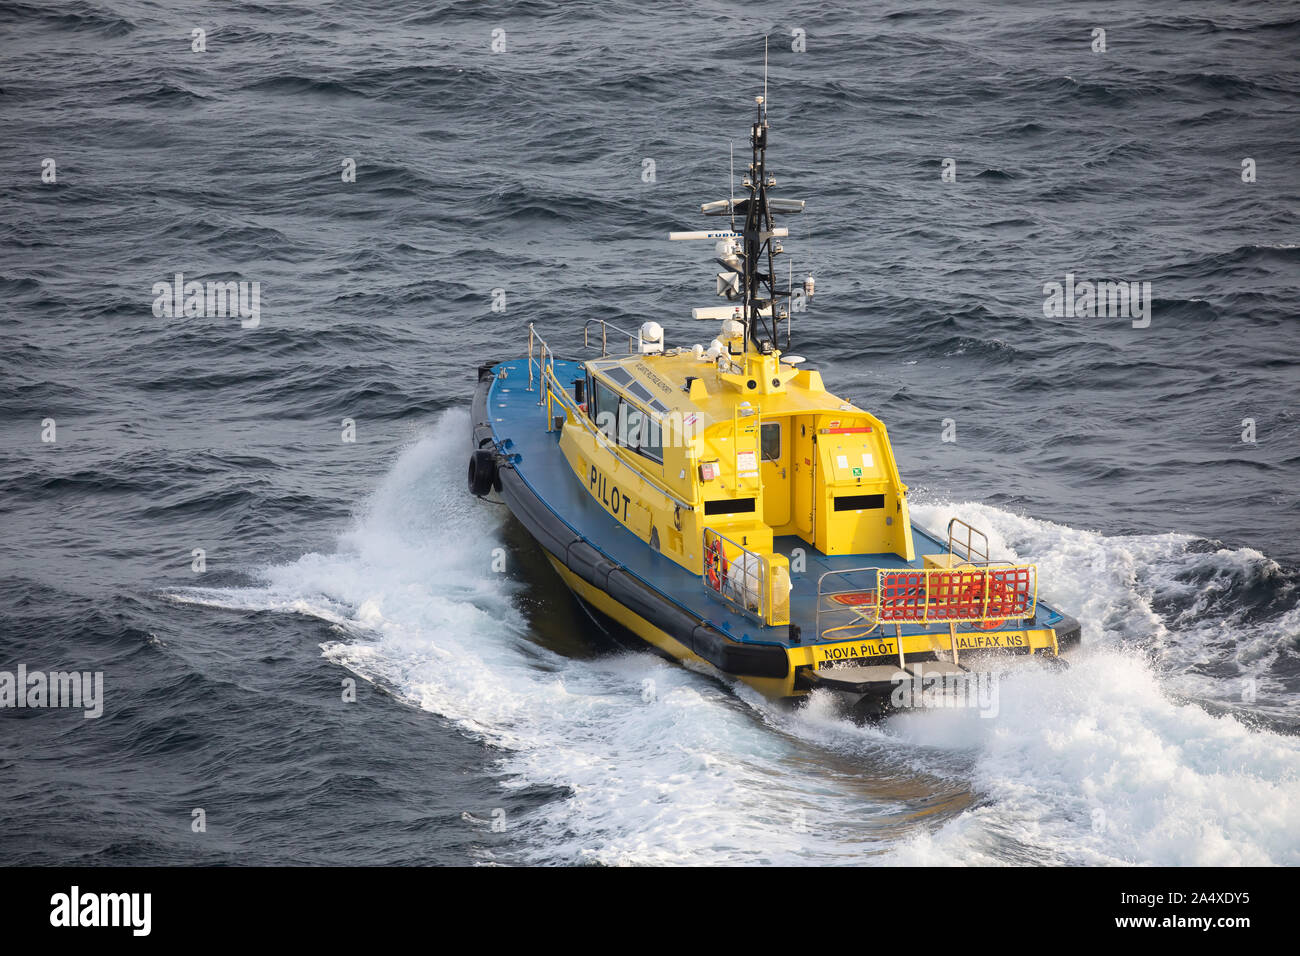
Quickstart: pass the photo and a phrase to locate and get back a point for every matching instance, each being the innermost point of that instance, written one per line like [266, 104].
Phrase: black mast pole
[760, 289]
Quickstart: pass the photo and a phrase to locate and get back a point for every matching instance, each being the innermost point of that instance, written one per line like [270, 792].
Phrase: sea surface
[492, 722]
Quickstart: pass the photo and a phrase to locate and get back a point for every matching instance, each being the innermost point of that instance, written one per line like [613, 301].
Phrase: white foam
[700, 771]
[1100, 763]
[1110, 584]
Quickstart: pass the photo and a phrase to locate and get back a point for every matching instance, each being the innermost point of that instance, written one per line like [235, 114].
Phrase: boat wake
[1142, 752]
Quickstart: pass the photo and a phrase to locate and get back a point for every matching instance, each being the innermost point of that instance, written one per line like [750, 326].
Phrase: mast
[760, 291]
[748, 253]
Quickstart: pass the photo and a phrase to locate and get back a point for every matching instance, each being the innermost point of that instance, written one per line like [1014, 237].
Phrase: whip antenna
[731, 188]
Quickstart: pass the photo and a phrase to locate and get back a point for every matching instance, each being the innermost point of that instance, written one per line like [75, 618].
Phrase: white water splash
[703, 771]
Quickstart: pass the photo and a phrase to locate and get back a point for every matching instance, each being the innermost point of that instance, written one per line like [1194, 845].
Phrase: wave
[76, 17]
[656, 763]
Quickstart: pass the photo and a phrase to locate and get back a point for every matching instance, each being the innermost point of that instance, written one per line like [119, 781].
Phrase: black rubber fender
[483, 475]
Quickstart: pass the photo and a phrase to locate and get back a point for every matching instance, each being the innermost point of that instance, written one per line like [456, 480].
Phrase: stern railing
[755, 584]
[853, 602]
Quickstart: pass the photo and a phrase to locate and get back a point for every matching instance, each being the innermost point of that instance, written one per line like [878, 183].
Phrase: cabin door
[803, 465]
[774, 446]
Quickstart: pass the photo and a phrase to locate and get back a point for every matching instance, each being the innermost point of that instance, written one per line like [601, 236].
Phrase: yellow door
[774, 444]
[802, 471]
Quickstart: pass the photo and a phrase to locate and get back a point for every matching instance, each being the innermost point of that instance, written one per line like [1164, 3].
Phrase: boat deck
[518, 426]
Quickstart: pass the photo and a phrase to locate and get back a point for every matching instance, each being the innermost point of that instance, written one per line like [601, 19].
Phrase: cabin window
[770, 437]
[629, 425]
[604, 410]
[639, 431]
[622, 422]
[651, 439]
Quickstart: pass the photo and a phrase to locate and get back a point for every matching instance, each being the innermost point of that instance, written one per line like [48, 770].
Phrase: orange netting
[963, 595]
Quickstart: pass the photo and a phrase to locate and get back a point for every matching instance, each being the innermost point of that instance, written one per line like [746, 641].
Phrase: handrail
[605, 325]
[969, 547]
[860, 616]
[755, 584]
[541, 362]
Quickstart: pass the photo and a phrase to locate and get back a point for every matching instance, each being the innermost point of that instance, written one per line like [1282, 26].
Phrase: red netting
[902, 595]
[965, 595]
[1011, 592]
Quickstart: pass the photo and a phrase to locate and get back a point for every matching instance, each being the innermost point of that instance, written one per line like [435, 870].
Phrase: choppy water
[1111, 456]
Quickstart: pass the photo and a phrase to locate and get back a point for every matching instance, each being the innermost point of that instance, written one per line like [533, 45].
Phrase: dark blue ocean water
[1111, 455]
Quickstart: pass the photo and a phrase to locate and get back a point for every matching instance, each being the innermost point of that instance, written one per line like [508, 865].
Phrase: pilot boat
[722, 505]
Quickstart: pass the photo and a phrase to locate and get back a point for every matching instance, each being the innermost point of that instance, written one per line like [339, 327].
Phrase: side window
[640, 431]
[630, 419]
[606, 410]
[770, 437]
[622, 422]
[652, 441]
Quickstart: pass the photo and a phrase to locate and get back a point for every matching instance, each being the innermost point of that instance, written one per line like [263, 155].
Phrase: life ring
[715, 565]
[1005, 599]
[973, 592]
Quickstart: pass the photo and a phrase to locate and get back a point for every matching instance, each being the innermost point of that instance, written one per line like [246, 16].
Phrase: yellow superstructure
[709, 461]
[750, 446]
